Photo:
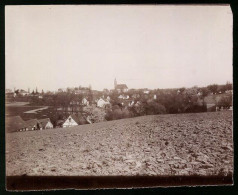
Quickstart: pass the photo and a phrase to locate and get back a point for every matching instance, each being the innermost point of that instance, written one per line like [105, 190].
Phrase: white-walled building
[131, 103]
[46, 123]
[71, 121]
[102, 103]
[85, 102]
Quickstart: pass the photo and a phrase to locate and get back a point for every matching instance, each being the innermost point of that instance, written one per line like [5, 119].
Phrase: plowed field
[184, 144]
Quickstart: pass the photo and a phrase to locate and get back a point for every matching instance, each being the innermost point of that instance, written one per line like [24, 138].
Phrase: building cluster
[16, 123]
[100, 100]
[22, 93]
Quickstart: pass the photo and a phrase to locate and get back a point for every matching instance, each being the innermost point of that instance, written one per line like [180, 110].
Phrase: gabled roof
[23, 91]
[31, 123]
[102, 99]
[121, 86]
[75, 118]
[44, 121]
[79, 119]
[15, 123]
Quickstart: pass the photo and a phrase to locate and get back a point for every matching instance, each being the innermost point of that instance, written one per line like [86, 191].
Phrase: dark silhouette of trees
[204, 94]
[225, 101]
[213, 88]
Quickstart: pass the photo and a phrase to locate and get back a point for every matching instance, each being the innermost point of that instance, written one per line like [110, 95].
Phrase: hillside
[185, 144]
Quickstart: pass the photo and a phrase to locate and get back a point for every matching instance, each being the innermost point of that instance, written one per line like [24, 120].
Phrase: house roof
[79, 119]
[102, 99]
[31, 123]
[44, 121]
[121, 86]
[8, 91]
[23, 91]
[15, 123]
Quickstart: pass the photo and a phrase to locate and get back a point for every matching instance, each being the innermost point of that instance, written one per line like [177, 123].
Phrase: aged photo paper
[117, 96]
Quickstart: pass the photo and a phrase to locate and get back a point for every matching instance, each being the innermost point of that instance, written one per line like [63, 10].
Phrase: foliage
[117, 113]
[225, 101]
[213, 88]
[95, 114]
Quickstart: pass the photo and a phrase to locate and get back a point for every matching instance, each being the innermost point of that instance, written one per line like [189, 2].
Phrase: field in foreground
[185, 144]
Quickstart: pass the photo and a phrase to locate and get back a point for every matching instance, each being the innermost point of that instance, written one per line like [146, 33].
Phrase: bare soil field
[184, 144]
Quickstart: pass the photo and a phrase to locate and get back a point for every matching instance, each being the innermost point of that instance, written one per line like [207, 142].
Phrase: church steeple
[115, 83]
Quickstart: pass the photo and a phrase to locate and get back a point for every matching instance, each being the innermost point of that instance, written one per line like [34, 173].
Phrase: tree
[204, 92]
[228, 86]
[95, 114]
[154, 108]
[225, 101]
[182, 89]
[90, 96]
[213, 88]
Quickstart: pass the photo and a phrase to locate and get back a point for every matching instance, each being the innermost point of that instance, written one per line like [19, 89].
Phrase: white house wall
[68, 123]
[49, 125]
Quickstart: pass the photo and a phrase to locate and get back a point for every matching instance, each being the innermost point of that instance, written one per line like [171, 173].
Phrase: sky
[143, 46]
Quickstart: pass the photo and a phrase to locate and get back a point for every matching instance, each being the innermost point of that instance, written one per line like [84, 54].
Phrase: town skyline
[39, 90]
[151, 47]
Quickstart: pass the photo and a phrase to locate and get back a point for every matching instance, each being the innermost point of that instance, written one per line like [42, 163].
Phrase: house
[85, 102]
[15, 123]
[124, 97]
[74, 103]
[131, 103]
[135, 96]
[155, 97]
[102, 103]
[229, 91]
[74, 120]
[108, 98]
[82, 90]
[9, 93]
[146, 91]
[211, 107]
[121, 97]
[62, 90]
[23, 92]
[33, 124]
[46, 123]
[121, 88]
[138, 103]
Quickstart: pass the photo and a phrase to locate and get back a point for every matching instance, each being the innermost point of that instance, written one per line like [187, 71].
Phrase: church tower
[115, 83]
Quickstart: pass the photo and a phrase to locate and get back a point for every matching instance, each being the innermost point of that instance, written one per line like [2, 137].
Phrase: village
[82, 105]
[101, 95]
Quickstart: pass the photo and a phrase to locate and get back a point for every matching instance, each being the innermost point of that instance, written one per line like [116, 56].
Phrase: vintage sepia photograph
[118, 91]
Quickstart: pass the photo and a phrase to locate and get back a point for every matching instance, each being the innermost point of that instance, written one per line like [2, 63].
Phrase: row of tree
[172, 102]
[169, 101]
